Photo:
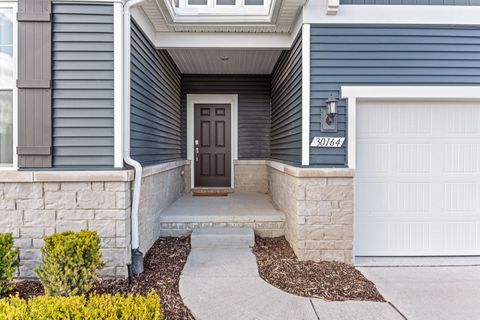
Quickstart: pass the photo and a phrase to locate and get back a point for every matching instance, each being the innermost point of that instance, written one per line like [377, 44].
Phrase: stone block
[30, 204]
[38, 243]
[121, 228]
[318, 220]
[342, 218]
[15, 231]
[104, 228]
[114, 256]
[319, 244]
[329, 193]
[51, 186]
[71, 225]
[108, 242]
[344, 244]
[30, 254]
[7, 204]
[26, 268]
[333, 232]
[23, 191]
[32, 232]
[340, 181]
[98, 186]
[59, 200]
[116, 214]
[39, 218]
[75, 214]
[76, 186]
[117, 186]
[95, 200]
[107, 272]
[333, 255]
[10, 218]
[123, 199]
[23, 243]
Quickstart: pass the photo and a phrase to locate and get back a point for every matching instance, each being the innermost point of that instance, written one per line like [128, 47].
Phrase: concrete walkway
[430, 293]
[223, 284]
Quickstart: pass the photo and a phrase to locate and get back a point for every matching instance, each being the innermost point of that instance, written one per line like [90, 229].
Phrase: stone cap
[311, 172]
[66, 176]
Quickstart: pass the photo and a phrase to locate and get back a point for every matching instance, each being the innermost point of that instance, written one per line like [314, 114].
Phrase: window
[7, 85]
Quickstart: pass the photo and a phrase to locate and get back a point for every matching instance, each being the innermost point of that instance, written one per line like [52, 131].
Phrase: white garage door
[418, 179]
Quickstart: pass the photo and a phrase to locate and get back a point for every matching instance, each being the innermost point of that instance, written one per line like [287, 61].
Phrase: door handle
[196, 154]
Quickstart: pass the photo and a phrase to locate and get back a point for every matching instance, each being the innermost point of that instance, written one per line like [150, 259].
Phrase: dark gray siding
[82, 85]
[416, 2]
[253, 108]
[155, 103]
[385, 55]
[286, 111]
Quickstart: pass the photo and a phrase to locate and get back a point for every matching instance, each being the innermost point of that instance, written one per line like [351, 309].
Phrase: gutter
[136, 266]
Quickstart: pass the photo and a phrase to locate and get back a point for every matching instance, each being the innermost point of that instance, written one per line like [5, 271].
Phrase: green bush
[8, 262]
[69, 263]
[101, 307]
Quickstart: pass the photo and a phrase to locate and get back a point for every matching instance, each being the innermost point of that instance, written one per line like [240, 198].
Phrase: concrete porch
[252, 210]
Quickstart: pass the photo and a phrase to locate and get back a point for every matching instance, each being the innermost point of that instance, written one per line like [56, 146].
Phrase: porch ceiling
[209, 61]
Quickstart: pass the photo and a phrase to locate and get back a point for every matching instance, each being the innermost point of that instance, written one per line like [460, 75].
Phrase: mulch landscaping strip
[333, 281]
[163, 265]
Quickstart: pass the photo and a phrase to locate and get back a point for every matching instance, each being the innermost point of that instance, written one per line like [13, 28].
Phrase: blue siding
[253, 108]
[82, 74]
[155, 103]
[385, 55]
[286, 110]
[416, 2]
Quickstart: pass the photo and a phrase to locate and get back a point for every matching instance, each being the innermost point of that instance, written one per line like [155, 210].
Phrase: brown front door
[212, 140]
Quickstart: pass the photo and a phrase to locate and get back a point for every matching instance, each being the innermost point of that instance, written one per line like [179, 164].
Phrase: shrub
[70, 262]
[106, 307]
[8, 262]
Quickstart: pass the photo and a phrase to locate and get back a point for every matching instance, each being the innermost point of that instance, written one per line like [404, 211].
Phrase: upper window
[7, 85]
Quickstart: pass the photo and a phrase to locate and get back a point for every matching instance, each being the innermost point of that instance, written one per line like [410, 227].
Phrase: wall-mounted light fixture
[331, 110]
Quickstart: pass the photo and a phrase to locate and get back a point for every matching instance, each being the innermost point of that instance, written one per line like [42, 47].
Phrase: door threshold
[211, 192]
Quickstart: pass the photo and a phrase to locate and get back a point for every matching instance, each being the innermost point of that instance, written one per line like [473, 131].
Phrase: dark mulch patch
[334, 281]
[163, 265]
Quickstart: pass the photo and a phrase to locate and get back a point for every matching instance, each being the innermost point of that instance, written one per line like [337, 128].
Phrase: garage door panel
[418, 179]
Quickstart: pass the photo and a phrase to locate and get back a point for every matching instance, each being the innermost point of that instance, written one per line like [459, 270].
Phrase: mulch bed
[333, 281]
[163, 265]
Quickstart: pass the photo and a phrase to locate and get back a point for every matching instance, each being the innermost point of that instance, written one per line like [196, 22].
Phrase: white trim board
[315, 12]
[118, 84]
[414, 93]
[193, 99]
[306, 95]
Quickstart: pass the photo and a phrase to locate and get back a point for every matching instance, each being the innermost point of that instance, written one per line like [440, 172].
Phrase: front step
[211, 192]
[223, 238]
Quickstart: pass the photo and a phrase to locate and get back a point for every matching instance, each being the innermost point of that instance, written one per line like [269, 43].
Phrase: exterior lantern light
[331, 110]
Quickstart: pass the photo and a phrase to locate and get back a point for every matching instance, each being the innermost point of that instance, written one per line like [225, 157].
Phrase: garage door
[418, 179]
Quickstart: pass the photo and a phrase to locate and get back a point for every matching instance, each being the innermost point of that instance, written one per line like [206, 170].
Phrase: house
[112, 110]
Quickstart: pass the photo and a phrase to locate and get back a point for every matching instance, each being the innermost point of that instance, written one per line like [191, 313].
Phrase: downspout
[137, 255]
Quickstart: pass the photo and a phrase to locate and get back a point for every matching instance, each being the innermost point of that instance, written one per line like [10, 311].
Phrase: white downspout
[137, 256]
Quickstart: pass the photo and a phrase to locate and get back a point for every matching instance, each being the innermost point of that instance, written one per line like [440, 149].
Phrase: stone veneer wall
[251, 176]
[318, 204]
[36, 204]
[161, 186]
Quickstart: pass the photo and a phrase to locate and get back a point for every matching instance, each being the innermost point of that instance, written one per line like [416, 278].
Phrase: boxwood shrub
[101, 307]
[70, 261]
[8, 262]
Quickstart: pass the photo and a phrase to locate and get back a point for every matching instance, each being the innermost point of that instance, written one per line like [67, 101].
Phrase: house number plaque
[327, 142]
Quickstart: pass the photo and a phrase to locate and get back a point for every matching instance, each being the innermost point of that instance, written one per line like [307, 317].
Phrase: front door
[212, 154]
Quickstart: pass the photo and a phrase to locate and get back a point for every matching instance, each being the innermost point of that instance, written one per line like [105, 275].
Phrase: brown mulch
[163, 265]
[333, 281]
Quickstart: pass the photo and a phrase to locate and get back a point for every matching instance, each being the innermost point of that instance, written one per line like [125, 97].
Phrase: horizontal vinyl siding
[155, 103]
[82, 77]
[286, 110]
[384, 56]
[253, 108]
[416, 2]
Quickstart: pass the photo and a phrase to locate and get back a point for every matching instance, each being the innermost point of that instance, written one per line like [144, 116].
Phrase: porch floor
[235, 210]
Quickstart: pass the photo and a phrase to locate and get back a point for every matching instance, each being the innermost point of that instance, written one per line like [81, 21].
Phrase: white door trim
[429, 93]
[193, 99]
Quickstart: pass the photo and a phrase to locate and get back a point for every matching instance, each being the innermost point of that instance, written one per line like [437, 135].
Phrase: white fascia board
[353, 94]
[110, 1]
[315, 12]
[192, 40]
[144, 23]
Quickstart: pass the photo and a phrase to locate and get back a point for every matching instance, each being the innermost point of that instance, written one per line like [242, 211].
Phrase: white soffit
[209, 61]
[287, 15]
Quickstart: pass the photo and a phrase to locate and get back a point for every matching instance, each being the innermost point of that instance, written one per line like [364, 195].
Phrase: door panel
[417, 179]
[212, 154]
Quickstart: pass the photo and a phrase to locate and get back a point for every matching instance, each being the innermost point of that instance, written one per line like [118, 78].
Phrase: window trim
[14, 165]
